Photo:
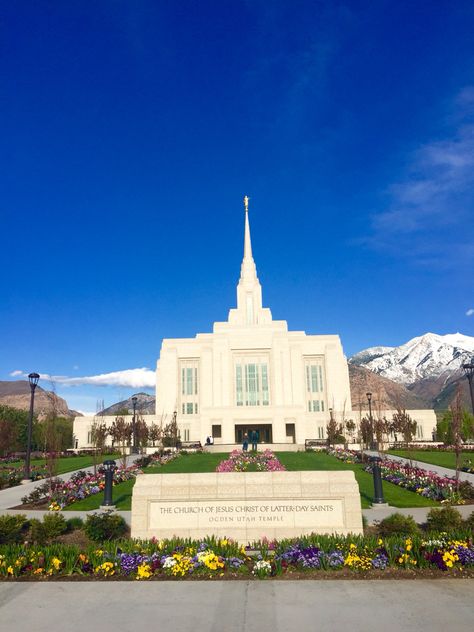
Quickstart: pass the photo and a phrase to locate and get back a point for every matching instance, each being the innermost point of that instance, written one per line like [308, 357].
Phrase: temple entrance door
[264, 432]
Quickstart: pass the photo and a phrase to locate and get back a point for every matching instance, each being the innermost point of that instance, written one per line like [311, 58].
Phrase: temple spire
[249, 311]
[247, 241]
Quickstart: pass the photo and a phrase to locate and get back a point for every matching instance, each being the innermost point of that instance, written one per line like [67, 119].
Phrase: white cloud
[430, 209]
[133, 378]
[470, 312]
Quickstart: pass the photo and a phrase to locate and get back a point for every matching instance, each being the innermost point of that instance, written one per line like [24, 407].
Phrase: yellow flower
[56, 563]
[106, 569]
[10, 570]
[379, 541]
[144, 571]
[38, 571]
[352, 546]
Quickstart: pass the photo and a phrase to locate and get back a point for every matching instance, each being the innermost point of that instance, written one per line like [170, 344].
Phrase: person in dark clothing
[245, 443]
[254, 439]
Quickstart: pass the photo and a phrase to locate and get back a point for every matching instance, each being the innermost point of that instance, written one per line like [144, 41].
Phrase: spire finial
[246, 203]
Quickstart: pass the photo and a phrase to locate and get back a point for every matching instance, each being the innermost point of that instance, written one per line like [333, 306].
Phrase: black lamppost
[377, 474]
[469, 372]
[33, 380]
[109, 467]
[134, 426]
[369, 399]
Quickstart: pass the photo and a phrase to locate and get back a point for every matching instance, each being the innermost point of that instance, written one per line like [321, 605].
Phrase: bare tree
[121, 433]
[405, 425]
[350, 427]
[456, 423]
[8, 436]
[50, 435]
[99, 434]
[171, 433]
[154, 433]
[366, 432]
[333, 430]
[142, 431]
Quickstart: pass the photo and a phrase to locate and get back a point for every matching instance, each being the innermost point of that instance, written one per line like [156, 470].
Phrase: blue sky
[131, 131]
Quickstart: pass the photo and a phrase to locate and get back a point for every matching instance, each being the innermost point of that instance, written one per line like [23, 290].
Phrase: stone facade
[245, 506]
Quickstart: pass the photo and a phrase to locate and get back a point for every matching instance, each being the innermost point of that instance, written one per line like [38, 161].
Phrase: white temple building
[251, 373]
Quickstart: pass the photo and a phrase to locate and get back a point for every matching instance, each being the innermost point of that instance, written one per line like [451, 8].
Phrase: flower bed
[12, 476]
[212, 557]
[415, 479]
[240, 461]
[57, 493]
[348, 456]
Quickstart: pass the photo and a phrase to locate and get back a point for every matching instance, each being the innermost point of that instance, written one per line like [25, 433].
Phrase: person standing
[254, 439]
[245, 443]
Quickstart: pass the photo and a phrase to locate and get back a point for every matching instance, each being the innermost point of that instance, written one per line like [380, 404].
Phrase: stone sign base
[245, 506]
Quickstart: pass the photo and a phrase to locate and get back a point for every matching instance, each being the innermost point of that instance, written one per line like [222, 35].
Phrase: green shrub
[143, 461]
[398, 524]
[12, 528]
[48, 530]
[466, 490]
[444, 519]
[74, 523]
[104, 526]
[54, 524]
[37, 533]
[469, 522]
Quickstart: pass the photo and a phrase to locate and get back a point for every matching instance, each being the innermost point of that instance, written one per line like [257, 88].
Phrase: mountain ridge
[430, 366]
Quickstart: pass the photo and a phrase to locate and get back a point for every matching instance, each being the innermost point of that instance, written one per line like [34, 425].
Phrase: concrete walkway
[239, 606]
[440, 471]
[11, 497]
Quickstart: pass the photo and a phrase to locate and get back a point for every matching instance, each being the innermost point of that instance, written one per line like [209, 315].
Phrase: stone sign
[246, 505]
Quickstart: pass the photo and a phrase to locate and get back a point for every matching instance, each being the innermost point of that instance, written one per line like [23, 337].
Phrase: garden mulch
[374, 575]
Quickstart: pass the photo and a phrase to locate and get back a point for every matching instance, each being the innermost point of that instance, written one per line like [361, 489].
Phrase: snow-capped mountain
[427, 356]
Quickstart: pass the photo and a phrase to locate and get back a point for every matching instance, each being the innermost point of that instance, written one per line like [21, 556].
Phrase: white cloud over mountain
[133, 378]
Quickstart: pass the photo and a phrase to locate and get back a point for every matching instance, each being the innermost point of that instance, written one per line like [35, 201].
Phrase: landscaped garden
[292, 461]
[60, 549]
[403, 486]
[443, 458]
[11, 470]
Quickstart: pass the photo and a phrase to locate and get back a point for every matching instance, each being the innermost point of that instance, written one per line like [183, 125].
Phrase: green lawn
[293, 461]
[197, 462]
[435, 457]
[67, 463]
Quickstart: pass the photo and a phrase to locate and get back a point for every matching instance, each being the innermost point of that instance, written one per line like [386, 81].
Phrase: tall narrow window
[238, 385]
[315, 389]
[251, 381]
[189, 386]
[249, 304]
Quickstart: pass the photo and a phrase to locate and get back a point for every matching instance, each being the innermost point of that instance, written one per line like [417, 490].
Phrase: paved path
[239, 606]
[441, 471]
[11, 497]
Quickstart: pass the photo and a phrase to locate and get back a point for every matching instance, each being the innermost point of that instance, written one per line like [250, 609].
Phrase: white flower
[169, 562]
[262, 566]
